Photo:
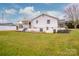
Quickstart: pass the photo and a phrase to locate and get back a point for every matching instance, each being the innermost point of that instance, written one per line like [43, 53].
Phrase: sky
[12, 12]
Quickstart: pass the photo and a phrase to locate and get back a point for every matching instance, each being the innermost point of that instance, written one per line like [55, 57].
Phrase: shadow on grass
[64, 31]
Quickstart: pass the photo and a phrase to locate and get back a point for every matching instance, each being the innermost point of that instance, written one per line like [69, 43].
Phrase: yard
[14, 43]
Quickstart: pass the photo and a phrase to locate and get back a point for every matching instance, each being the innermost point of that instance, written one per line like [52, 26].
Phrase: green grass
[14, 43]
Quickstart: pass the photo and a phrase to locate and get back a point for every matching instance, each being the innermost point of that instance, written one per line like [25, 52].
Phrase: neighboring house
[41, 23]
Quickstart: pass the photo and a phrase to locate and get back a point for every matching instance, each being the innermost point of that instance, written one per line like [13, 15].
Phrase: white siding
[42, 23]
[24, 26]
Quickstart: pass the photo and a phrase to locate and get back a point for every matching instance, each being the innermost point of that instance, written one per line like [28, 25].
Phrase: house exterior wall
[24, 26]
[42, 23]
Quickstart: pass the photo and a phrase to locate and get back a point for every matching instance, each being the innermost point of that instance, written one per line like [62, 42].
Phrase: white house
[41, 23]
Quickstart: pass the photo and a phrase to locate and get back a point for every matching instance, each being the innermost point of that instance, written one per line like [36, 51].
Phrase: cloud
[57, 14]
[10, 11]
[8, 15]
[29, 12]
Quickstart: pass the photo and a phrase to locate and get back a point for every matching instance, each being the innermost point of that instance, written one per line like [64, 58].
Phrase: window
[36, 21]
[61, 25]
[48, 21]
[47, 28]
[25, 22]
[52, 27]
[41, 29]
[20, 26]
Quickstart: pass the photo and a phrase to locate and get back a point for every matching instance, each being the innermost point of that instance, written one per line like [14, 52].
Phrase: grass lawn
[14, 43]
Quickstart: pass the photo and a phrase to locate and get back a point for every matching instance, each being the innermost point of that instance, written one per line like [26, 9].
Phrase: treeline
[70, 25]
[7, 24]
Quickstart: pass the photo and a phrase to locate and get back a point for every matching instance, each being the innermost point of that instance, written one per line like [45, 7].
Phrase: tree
[72, 14]
[69, 24]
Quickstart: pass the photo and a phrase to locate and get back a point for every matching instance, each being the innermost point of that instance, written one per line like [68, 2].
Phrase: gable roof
[45, 15]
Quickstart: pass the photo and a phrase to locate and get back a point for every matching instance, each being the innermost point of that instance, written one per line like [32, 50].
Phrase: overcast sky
[16, 11]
